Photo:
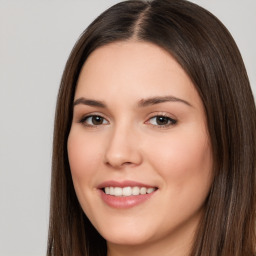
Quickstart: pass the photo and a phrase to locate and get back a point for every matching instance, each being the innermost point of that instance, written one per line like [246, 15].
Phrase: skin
[130, 144]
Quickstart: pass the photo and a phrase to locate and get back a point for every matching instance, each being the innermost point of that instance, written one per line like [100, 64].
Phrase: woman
[154, 143]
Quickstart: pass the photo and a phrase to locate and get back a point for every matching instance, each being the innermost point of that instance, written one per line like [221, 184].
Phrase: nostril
[119, 165]
[127, 163]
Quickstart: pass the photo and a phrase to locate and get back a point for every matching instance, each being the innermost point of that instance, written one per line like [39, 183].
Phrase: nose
[123, 148]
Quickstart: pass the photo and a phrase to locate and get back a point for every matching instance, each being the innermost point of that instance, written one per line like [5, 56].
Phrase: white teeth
[118, 191]
[107, 190]
[150, 190]
[143, 191]
[111, 191]
[135, 191]
[128, 191]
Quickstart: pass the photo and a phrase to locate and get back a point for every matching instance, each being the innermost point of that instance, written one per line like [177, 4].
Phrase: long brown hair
[209, 55]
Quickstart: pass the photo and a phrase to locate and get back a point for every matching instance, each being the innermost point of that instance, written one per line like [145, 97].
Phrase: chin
[126, 238]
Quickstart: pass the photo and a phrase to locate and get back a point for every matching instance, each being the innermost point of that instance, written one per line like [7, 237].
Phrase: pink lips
[122, 202]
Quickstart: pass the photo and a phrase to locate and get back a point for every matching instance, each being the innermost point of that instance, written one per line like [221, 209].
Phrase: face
[139, 150]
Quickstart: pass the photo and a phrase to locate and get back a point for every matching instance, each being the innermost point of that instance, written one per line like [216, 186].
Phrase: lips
[125, 194]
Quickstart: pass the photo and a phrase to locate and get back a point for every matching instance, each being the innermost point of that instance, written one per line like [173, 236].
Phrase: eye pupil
[162, 120]
[96, 120]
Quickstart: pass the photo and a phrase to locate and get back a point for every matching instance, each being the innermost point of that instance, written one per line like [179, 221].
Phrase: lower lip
[123, 202]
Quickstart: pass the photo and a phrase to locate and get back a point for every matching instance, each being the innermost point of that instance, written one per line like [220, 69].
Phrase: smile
[128, 191]
[125, 194]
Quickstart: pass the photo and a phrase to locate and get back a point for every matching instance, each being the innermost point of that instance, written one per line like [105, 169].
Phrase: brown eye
[97, 120]
[94, 120]
[162, 121]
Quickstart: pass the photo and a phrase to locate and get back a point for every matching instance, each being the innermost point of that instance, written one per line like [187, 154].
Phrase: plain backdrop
[36, 38]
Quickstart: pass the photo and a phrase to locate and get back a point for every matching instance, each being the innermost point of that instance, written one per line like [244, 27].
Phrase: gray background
[35, 40]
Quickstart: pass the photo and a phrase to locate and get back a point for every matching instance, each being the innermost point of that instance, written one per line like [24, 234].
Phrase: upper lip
[122, 184]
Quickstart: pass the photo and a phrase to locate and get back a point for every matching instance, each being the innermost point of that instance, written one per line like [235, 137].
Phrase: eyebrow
[161, 99]
[141, 103]
[89, 102]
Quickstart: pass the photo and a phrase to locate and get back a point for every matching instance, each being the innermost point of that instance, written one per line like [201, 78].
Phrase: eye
[162, 121]
[93, 120]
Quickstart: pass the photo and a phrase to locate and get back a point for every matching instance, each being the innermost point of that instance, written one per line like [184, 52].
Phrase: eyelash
[170, 121]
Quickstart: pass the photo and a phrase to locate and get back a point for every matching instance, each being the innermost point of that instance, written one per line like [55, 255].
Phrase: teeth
[143, 191]
[135, 191]
[150, 190]
[111, 191]
[107, 190]
[118, 191]
[128, 191]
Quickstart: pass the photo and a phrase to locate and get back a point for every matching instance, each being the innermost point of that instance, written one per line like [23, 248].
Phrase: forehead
[139, 69]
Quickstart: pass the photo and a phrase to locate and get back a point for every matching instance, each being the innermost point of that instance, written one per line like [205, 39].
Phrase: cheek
[184, 159]
[83, 155]
[185, 165]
